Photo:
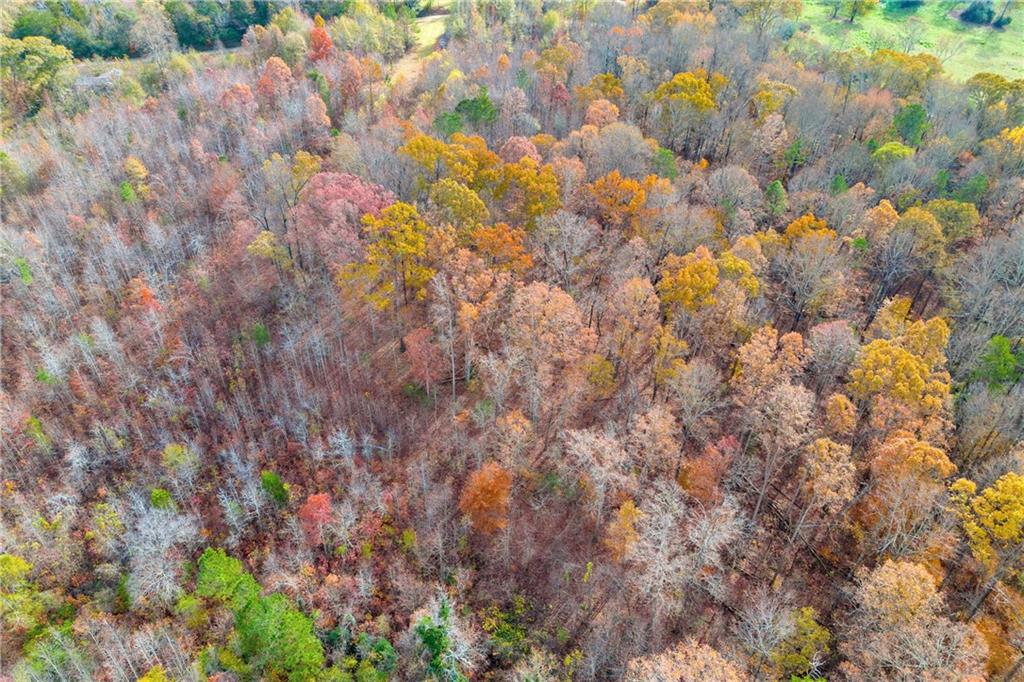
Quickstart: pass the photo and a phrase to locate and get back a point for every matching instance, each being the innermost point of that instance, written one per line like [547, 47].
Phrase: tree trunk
[1004, 566]
[1002, 13]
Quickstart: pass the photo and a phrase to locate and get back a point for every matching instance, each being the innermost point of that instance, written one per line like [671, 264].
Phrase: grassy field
[431, 26]
[931, 27]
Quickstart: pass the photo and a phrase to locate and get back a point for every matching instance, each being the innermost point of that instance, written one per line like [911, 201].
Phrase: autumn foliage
[509, 341]
[314, 515]
[485, 498]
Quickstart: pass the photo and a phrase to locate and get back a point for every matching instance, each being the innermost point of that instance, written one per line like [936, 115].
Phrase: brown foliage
[485, 498]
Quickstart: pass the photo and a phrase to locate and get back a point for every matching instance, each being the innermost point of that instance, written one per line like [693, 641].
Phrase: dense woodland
[643, 341]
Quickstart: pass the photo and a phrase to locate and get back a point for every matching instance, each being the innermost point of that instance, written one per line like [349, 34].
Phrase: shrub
[890, 152]
[161, 499]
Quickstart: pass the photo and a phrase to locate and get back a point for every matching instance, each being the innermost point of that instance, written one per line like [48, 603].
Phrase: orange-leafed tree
[320, 45]
[485, 498]
[349, 80]
[140, 297]
[275, 80]
[601, 112]
[908, 486]
[633, 327]
[619, 201]
[767, 360]
[502, 247]
[701, 476]
[548, 332]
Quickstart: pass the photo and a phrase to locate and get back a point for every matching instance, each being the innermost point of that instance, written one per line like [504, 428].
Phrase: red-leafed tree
[425, 359]
[327, 218]
[516, 147]
[314, 515]
[349, 81]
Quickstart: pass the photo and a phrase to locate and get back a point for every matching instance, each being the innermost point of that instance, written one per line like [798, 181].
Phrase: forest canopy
[489, 340]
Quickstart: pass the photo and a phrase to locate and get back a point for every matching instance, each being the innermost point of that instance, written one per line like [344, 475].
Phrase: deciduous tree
[328, 214]
[683, 103]
[993, 522]
[485, 498]
[620, 534]
[898, 629]
[314, 514]
[321, 46]
[395, 267]
[33, 68]
[458, 205]
[687, 660]
[687, 282]
[274, 81]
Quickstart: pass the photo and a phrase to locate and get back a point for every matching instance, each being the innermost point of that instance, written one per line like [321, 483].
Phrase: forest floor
[933, 27]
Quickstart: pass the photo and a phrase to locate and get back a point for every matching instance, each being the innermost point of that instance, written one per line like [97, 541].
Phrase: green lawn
[431, 28]
[928, 28]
